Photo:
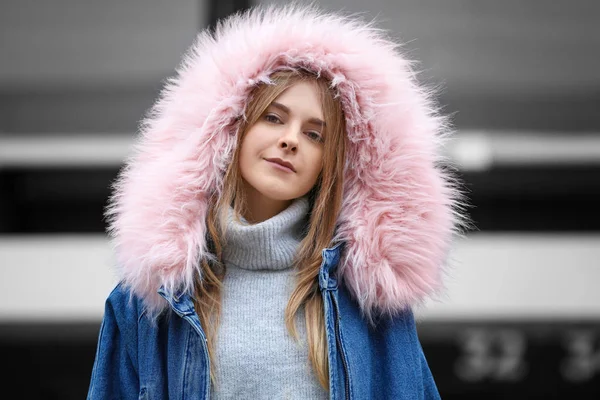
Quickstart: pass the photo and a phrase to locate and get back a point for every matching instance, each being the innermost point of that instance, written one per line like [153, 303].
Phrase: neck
[271, 244]
[260, 208]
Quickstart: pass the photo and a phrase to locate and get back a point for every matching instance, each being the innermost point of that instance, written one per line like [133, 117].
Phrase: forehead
[302, 97]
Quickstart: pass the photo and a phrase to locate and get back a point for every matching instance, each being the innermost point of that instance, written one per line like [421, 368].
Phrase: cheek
[254, 141]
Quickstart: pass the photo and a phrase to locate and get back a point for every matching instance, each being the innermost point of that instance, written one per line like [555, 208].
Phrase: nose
[289, 141]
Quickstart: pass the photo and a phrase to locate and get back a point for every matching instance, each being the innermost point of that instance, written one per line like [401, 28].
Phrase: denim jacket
[137, 358]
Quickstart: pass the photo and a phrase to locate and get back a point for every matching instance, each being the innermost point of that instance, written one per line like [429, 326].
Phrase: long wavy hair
[325, 200]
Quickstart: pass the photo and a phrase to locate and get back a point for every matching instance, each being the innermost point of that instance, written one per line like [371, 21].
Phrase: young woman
[283, 212]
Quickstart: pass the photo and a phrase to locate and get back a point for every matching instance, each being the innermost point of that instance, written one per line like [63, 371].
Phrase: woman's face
[289, 131]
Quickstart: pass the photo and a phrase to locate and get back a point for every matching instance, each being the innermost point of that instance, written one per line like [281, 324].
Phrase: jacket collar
[182, 303]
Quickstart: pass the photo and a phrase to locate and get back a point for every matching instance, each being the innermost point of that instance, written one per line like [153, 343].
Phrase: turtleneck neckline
[268, 245]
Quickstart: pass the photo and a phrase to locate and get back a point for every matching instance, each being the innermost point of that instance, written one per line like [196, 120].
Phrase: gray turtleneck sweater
[256, 356]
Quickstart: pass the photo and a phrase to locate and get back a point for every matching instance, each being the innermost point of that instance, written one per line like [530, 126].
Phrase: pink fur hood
[399, 209]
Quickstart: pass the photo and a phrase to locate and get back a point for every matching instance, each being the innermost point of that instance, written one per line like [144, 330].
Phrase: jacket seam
[333, 357]
[414, 341]
[186, 363]
[94, 369]
[344, 354]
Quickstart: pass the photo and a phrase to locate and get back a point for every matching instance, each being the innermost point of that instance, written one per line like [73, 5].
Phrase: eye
[272, 118]
[314, 136]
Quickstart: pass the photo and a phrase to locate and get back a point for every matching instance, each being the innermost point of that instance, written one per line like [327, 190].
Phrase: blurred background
[521, 316]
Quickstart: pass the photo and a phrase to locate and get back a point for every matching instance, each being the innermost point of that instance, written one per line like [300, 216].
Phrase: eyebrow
[286, 109]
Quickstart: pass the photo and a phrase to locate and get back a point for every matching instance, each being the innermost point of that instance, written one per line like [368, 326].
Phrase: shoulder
[124, 306]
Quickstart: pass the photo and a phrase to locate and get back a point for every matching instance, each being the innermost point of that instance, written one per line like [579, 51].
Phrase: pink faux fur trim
[399, 209]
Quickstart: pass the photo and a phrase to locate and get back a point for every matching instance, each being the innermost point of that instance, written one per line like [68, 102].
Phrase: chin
[279, 196]
[276, 190]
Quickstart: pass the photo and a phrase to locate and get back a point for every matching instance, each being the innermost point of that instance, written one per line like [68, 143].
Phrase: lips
[281, 162]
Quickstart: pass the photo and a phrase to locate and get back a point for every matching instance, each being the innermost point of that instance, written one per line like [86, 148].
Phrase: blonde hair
[325, 203]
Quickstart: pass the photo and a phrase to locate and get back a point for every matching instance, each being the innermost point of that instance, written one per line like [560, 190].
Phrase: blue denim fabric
[137, 358]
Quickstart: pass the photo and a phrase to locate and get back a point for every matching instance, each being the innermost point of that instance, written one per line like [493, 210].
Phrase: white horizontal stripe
[480, 150]
[64, 151]
[525, 276]
[54, 278]
[469, 150]
[495, 276]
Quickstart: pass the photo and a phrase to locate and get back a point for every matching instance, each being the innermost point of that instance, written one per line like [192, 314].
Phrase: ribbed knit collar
[271, 244]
